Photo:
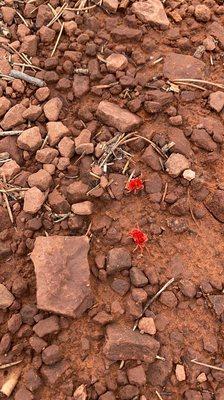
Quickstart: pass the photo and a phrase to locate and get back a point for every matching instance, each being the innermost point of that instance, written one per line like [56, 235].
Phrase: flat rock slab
[113, 115]
[177, 66]
[151, 12]
[62, 273]
[124, 344]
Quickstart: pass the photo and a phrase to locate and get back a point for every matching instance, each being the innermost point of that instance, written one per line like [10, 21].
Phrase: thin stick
[150, 301]
[218, 85]
[11, 190]
[59, 13]
[5, 366]
[158, 395]
[9, 133]
[30, 79]
[27, 66]
[7, 201]
[44, 141]
[157, 61]
[82, 9]
[165, 192]
[91, 190]
[106, 86]
[88, 229]
[153, 145]
[22, 18]
[58, 39]
[208, 365]
[62, 217]
[21, 56]
[191, 85]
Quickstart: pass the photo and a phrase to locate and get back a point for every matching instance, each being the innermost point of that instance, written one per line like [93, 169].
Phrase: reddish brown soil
[196, 254]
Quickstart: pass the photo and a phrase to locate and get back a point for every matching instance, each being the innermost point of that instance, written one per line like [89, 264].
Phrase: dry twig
[7, 202]
[9, 133]
[156, 148]
[22, 18]
[208, 365]
[165, 192]
[27, 78]
[202, 81]
[58, 39]
[150, 301]
[12, 364]
[159, 395]
[58, 14]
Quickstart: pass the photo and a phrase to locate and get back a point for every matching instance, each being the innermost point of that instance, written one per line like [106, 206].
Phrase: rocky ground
[111, 192]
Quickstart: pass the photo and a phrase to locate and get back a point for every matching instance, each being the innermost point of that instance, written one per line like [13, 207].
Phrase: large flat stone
[62, 273]
[124, 344]
[177, 66]
[113, 115]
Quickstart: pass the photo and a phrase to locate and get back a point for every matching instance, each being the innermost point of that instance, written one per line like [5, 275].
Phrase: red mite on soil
[139, 237]
[134, 185]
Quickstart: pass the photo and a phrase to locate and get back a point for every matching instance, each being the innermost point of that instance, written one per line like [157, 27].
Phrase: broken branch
[27, 78]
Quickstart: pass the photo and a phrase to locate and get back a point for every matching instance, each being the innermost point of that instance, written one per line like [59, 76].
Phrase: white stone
[189, 175]
[180, 373]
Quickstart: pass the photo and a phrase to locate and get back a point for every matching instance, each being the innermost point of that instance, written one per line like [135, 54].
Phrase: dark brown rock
[124, 344]
[47, 326]
[54, 372]
[216, 205]
[151, 158]
[51, 354]
[62, 273]
[119, 259]
[218, 303]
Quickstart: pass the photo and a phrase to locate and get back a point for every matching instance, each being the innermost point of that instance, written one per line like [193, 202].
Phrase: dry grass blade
[28, 66]
[44, 141]
[157, 61]
[22, 56]
[159, 395]
[58, 39]
[9, 133]
[150, 301]
[83, 8]
[190, 85]
[58, 14]
[156, 148]
[208, 365]
[165, 192]
[7, 202]
[6, 77]
[9, 365]
[202, 81]
[22, 18]
[106, 86]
